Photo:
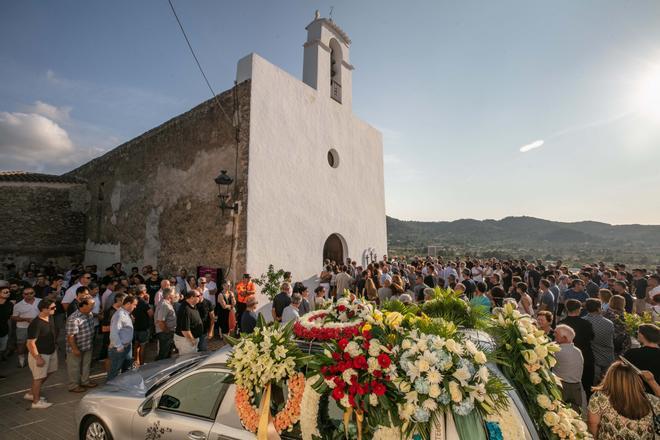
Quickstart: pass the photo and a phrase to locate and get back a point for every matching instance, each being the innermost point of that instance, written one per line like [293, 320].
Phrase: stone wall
[154, 200]
[42, 221]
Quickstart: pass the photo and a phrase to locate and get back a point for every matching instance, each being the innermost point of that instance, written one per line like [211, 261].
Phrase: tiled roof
[25, 176]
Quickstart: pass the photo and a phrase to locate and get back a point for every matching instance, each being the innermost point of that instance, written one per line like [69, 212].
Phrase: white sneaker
[41, 404]
[30, 397]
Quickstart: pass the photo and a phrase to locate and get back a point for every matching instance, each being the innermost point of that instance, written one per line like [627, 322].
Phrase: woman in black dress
[223, 308]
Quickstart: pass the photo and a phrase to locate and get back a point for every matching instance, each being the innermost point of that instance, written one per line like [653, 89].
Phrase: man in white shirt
[165, 284]
[570, 364]
[107, 298]
[290, 312]
[70, 294]
[24, 312]
[202, 285]
[211, 285]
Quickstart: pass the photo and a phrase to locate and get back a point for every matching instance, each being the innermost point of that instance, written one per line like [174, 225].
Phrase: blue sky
[457, 88]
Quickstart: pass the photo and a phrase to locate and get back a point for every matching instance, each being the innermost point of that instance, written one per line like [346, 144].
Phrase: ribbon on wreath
[264, 414]
[359, 418]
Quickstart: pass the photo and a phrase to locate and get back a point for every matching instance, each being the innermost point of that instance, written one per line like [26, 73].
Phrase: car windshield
[175, 372]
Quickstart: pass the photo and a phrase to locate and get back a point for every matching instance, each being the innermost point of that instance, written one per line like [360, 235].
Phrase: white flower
[373, 399]
[411, 397]
[535, 378]
[347, 374]
[446, 365]
[280, 352]
[437, 343]
[406, 344]
[530, 356]
[344, 402]
[480, 357]
[422, 365]
[353, 349]
[462, 374]
[430, 405]
[330, 383]
[483, 373]
[455, 391]
[552, 361]
[544, 401]
[374, 348]
[434, 376]
[454, 347]
[372, 364]
[434, 391]
[541, 351]
[471, 348]
[422, 345]
[551, 418]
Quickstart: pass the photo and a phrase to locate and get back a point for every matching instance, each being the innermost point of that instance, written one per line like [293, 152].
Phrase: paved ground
[19, 422]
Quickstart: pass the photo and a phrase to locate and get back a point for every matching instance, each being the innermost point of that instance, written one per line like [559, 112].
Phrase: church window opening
[335, 70]
[333, 158]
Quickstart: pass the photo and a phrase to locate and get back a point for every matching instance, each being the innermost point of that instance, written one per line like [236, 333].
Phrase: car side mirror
[146, 407]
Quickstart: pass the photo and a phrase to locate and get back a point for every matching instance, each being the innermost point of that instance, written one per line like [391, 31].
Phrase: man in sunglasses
[24, 312]
[43, 352]
[71, 292]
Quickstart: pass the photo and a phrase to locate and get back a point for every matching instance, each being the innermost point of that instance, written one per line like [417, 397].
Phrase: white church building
[329, 201]
[304, 174]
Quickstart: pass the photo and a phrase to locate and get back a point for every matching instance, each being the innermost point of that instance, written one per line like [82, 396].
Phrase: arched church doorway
[334, 249]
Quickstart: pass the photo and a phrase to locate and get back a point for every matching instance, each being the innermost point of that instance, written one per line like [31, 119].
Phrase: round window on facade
[333, 158]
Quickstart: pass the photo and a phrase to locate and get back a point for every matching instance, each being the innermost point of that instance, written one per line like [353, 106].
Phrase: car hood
[140, 380]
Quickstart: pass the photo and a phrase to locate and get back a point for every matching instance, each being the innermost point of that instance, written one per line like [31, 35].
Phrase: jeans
[120, 361]
[203, 342]
[78, 368]
[165, 342]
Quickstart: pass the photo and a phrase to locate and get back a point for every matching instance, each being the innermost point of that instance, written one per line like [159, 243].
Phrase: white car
[189, 397]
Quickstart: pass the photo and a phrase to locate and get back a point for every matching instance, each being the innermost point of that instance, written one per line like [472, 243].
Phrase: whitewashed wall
[295, 199]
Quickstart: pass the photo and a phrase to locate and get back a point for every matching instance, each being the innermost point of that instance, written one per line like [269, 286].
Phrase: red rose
[354, 378]
[337, 394]
[341, 308]
[343, 342]
[360, 362]
[384, 360]
[336, 356]
[362, 390]
[353, 389]
[339, 382]
[379, 389]
[351, 401]
[366, 334]
[347, 357]
[377, 373]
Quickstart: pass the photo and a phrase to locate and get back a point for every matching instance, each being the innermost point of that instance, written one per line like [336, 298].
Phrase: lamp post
[224, 181]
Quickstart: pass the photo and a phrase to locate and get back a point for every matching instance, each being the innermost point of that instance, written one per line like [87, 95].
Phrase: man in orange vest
[244, 290]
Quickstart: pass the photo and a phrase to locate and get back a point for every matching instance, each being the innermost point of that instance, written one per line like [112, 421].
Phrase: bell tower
[326, 65]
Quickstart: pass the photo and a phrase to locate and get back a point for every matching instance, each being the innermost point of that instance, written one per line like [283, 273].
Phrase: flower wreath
[284, 419]
[342, 320]
[261, 359]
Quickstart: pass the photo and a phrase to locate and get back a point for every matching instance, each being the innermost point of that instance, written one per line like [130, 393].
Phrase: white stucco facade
[296, 200]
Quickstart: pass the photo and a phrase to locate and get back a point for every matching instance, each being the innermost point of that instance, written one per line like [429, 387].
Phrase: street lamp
[224, 181]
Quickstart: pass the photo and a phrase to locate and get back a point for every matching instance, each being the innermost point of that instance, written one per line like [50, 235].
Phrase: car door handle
[196, 435]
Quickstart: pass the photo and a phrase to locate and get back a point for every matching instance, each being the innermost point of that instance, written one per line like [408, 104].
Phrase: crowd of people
[116, 314]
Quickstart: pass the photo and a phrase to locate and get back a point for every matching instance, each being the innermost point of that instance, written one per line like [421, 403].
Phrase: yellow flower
[455, 391]
[366, 327]
[378, 315]
[393, 319]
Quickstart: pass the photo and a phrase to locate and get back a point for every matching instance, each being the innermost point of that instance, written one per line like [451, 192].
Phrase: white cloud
[61, 114]
[533, 145]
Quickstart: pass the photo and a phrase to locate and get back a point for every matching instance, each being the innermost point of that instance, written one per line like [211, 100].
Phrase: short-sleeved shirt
[165, 312]
[603, 343]
[280, 302]
[44, 334]
[548, 299]
[81, 326]
[243, 289]
[141, 315]
[188, 319]
[23, 309]
[614, 426]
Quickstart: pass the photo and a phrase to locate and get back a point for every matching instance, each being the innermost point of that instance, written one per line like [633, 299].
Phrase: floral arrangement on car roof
[526, 357]
[269, 356]
[340, 320]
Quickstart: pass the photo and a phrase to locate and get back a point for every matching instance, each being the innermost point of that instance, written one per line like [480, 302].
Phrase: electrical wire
[192, 51]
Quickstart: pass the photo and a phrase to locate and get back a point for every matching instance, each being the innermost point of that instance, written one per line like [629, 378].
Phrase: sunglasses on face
[51, 308]
[198, 296]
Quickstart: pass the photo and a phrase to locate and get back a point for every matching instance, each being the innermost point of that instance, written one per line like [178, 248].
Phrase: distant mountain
[529, 236]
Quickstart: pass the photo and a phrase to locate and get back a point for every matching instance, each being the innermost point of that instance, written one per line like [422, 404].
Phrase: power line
[197, 61]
